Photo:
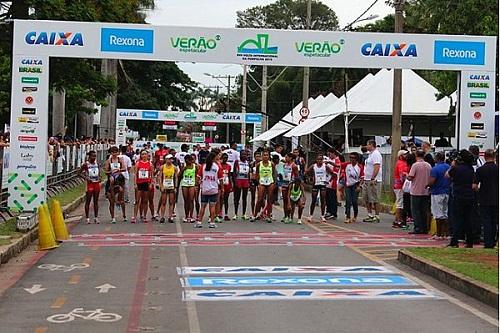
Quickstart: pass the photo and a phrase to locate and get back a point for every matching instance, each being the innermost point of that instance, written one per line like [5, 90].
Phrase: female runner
[168, 180]
[188, 185]
[144, 172]
[242, 184]
[266, 178]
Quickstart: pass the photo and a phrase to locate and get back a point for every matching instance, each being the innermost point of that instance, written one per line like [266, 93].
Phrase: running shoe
[299, 221]
[125, 220]
[369, 218]
[226, 218]
[184, 220]
[170, 220]
[323, 219]
[155, 217]
[132, 220]
[113, 221]
[162, 220]
[331, 217]
[353, 220]
[245, 217]
[269, 220]
[88, 221]
[328, 216]
[283, 220]
[218, 219]
[347, 220]
[96, 220]
[212, 225]
[198, 225]
[174, 215]
[252, 219]
[235, 217]
[376, 219]
[397, 225]
[309, 219]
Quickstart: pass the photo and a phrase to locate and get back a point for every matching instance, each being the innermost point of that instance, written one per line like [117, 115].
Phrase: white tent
[292, 117]
[374, 98]
[330, 111]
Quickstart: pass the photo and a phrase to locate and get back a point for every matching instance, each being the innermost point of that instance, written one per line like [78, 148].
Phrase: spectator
[400, 173]
[407, 216]
[476, 218]
[462, 176]
[372, 182]
[441, 142]
[419, 176]
[426, 146]
[126, 174]
[332, 162]
[440, 188]
[354, 173]
[487, 183]
[478, 160]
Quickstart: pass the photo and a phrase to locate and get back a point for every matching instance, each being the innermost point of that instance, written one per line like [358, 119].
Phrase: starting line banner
[308, 294]
[254, 46]
[282, 270]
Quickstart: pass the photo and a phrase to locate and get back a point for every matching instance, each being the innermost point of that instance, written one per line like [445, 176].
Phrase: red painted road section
[134, 316]
[343, 238]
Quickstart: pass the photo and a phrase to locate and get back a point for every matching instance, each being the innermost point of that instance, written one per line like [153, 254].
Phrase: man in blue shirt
[439, 186]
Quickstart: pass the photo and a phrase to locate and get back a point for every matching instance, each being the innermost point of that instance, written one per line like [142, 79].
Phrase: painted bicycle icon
[63, 268]
[95, 315]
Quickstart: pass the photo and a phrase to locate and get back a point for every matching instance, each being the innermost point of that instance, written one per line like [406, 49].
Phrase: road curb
[478, 290]
[22, 243]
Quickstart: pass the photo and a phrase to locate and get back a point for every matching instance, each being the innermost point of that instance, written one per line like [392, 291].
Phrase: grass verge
[70, 195]
[9, 229]
[478, 264]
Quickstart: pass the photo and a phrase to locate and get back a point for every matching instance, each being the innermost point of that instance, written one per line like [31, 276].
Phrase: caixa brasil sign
[183, 116]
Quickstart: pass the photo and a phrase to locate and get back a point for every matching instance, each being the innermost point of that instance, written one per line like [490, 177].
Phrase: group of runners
[207, 178]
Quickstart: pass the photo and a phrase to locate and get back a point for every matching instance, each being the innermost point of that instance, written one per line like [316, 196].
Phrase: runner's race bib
[243, 169]
[143, 174]
[265, 180]
[168, 183]
[115, 166]
[226, 180]
[93, 172]
[287, 177]
[188, 182]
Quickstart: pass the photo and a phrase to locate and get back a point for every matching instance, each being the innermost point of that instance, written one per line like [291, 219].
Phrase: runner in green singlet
[297, 198]
[188, 185]
[266, 175]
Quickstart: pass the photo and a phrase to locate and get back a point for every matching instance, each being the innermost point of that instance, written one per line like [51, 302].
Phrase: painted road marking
[74, 279]
[41, 329]
[322, 280]
[104, 289]
[242, 270]
[308, 294]
[35, 289]
[94, 315]
[58, 303]
[63, 268]
[87, 260]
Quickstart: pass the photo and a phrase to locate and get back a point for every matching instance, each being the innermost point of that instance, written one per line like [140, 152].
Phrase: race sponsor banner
[255, 46]
[244, 270]
[28, 150]
[321, 280]
[185, 116]
[307, 294]
[476, 123]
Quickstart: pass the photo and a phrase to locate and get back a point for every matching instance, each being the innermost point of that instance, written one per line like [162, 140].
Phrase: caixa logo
[128, 114]
[54, 38]
[389, 50]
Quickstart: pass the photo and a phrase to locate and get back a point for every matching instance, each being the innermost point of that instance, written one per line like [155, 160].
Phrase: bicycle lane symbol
[63, 268]
[93, 315]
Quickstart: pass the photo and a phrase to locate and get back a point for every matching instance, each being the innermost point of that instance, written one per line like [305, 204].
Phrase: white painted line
[104, 289]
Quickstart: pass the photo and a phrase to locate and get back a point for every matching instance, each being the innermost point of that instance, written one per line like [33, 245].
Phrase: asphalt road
[130, 272]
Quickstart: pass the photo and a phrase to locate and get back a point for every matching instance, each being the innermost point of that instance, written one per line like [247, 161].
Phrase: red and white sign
[24, 138]
[477, 115]
[304, 112]
[29, 100]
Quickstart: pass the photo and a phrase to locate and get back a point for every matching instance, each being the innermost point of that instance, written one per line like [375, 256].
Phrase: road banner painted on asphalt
[244, 270]
[330, 280]
[308, 294]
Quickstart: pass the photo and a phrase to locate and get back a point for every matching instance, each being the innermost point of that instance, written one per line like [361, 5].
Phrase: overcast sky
[222, 14]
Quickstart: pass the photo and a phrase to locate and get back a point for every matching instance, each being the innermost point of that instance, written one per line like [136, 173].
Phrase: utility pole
[244, 106]
[305, 83]
[396, 91]
[263, 104]
[228, 108]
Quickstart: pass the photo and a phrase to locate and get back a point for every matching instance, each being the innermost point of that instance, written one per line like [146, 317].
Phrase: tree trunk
[58, 112]
[107, 128]
[85, 122]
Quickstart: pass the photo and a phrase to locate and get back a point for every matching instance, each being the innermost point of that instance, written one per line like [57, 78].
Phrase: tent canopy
[372, 96]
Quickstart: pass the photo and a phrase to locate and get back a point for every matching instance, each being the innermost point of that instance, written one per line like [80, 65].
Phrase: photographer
[462, 177]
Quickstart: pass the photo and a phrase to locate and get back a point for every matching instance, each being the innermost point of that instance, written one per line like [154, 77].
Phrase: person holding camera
[462, 177]
[486, 183]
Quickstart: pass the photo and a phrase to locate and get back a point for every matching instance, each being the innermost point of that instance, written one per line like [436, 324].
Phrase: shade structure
[372, 96]
[289, 120]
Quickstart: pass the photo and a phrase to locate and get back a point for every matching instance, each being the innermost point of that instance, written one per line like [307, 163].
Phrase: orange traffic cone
[57, 218]
[46, 240]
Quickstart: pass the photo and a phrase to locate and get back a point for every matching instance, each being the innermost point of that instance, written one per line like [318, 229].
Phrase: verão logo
[127, 40]
[389, 50]
[54, 38]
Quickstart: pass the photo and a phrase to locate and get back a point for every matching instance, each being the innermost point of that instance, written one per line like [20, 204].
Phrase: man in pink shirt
[420, 200]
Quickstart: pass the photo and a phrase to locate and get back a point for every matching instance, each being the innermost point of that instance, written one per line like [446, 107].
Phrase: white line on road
[104, 289]
[35, 289]
[194, 324]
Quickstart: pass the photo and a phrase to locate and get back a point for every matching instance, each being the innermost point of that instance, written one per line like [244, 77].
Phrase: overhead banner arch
[34, 42]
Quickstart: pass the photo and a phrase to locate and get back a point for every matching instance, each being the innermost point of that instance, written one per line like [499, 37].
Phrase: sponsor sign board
[297, 280]
[245, 270]
[127, 40]
[306, 294]
[476, 116]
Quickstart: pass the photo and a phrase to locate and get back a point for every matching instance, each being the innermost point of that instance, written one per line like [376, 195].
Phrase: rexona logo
[194, 44]
[319, 49]
[127, 114]
[389, 50]
[54, 38]
[257, 49]
[459, 52]
[127, 40]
